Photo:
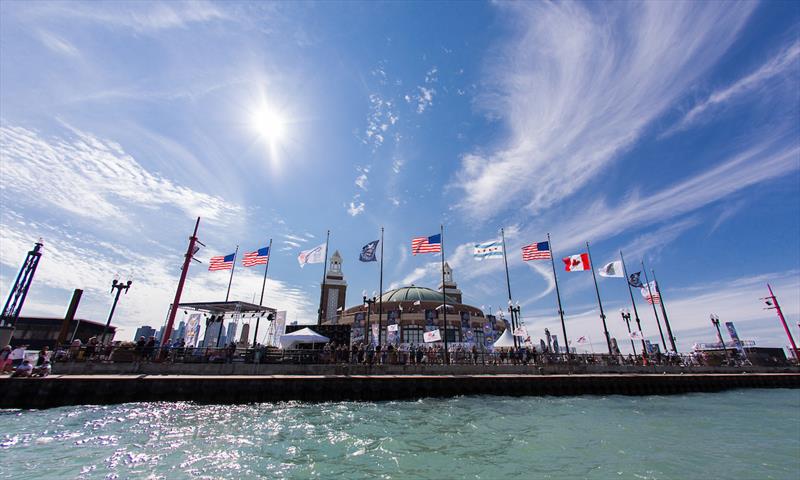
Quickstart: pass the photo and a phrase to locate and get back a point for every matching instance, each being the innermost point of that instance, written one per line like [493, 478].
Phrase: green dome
[412, 294]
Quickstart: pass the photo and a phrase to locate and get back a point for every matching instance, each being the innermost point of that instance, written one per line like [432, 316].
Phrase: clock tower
[334, 291]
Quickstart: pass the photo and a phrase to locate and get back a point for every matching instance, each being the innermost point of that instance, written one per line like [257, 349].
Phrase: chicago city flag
[577, 263]
[492, 249]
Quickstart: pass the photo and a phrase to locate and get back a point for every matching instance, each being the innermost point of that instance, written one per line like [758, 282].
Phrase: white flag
[611, 269]
[315, 255]
[636, 335]
[392, 328]
[432, 336]
[521, 332]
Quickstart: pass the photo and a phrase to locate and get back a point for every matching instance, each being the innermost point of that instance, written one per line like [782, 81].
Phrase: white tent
[505, 340]
[305, 335]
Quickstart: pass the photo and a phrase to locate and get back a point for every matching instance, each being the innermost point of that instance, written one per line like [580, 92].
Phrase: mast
[599, 302]
[558, 295]
[324, 274]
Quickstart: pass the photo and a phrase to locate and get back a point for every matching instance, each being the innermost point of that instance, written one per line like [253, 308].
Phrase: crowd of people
[16, 361]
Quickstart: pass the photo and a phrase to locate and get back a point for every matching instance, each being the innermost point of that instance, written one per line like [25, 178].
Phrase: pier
[62, 390]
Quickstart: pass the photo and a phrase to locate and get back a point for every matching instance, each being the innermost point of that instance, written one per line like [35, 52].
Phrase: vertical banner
[190, 337]
[392, 331]
[280, 327]
[488, 336]
[467, 335]
[357, 331]
[430, 320]
[375, 331]
[735, 337]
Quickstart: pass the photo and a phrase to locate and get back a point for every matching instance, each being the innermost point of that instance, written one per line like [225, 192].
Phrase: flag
[430, 244]
[315, 255]
[393, 328]
[582, 341]
[536, 251]
[368, 252]
[611, 269]
[492, 249]
[432, 336]
[222, 262]
[577, 263]
[521, 332]
[655, 298]
[636, 335]
[259, 257]
[634, 281]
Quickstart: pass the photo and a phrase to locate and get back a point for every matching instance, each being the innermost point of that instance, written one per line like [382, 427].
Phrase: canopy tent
[305, 335]
[505, 340]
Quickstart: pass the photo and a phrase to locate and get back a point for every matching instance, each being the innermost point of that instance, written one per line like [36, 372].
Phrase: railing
[426, 356]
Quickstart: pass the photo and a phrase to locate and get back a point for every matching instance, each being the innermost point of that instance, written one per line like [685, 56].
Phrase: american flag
[430, 244]
[259, 257]
[536, 251]
[656, 298]
[223, 262]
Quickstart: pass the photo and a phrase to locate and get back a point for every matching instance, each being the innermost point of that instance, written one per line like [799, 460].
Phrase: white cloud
[784, 61]
[355, 208]
[291, 243]
[93, 178]
[58, 44]
[295, 238]
[424, 98]
[578, 85]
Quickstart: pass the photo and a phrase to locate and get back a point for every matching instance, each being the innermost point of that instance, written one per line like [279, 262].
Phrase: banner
[357, 330]
[280, 327]
[393, 328]
[467, 335]
[488, 336]
[375, 331]
[430, 320]
[190, 337]
[521, 332]
[392, 320]
[432, 336]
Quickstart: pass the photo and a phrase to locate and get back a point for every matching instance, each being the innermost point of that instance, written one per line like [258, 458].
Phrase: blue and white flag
[315, 255]
[493, 249]
[634, 280]
[368, 252]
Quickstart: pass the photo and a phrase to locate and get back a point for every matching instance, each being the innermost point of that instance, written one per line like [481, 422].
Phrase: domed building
[408, 312]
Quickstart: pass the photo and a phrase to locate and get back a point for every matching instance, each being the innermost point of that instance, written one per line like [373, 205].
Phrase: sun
[268, 124]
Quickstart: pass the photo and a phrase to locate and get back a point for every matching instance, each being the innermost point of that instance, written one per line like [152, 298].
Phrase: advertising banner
[357, 331]
[430, 320]
[375, 331]
[393, 319]
[190, 337]
[467, 336]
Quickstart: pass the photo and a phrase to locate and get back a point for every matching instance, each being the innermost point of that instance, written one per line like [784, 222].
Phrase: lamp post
[715, 322]
[369, 302]
[119, 287]
[514, 310]
[626, 316]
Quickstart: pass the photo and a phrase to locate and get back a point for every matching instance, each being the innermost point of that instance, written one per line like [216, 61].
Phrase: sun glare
[268, 124]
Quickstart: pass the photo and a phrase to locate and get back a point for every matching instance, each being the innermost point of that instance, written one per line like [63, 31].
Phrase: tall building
[449, 286]
[145, 331]
[334, 291]
[181, 333]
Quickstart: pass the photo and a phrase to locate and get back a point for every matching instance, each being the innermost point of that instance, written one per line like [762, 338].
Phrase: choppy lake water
[742, 434]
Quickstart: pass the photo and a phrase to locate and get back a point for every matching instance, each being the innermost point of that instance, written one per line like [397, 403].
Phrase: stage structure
[215, 312]
[10, 314]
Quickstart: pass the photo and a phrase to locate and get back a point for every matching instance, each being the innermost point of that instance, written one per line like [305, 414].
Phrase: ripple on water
[464, 437]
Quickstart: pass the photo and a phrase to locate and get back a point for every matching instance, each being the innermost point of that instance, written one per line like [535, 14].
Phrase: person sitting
[43, 370]
[24, 369]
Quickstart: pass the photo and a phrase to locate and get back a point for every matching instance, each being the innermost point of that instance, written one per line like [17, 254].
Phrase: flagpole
[664, 312]
[633, 302]
[508, 285]
[599, 302]
[380, 297]
[263, 284]
[783, 321]
[655, 312]
[558, 295]
[233, 267]
[444, 298]
[324, 274]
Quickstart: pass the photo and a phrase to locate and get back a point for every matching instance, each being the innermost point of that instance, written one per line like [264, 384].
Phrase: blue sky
[668, 130]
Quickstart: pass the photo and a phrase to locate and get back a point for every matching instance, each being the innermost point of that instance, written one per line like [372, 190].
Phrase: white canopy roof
[505, 340]
[305, 335]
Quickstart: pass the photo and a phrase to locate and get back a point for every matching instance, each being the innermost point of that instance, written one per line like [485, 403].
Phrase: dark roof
[27, 319]
[414, 293]
[225, 307]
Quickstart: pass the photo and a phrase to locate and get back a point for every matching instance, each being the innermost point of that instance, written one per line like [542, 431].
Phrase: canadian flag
[577, 263]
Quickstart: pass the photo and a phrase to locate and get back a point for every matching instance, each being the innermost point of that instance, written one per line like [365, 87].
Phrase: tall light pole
[626, 315]
[119, 287]
[369, 302]
[715, 322]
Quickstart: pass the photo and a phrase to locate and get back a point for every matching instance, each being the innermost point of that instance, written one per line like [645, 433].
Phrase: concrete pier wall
[57, 391]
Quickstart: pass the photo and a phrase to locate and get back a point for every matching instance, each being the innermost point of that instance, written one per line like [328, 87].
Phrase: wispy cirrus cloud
[785, 61]
[595, 77]
[95, 178]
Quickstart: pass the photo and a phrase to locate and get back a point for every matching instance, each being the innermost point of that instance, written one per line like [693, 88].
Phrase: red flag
[577, 263]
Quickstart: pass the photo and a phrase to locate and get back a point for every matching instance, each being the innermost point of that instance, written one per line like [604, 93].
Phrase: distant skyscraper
[181, 333]
[145, 331]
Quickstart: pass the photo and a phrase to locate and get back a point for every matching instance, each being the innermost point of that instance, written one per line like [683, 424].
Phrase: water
[743, 434]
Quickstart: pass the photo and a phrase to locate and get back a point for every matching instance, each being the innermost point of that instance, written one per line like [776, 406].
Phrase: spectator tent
[505, 340]
[305, 335]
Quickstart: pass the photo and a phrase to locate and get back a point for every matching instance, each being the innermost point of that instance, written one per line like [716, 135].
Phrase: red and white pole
[783, 321]
[174, 308]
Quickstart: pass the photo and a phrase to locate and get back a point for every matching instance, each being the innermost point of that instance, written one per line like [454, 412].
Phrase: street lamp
[626, 316]
[119, 287]
[715, 322]
[514, 310]
[369, 302]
